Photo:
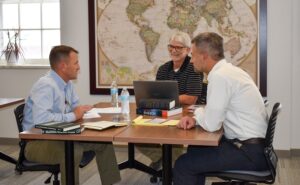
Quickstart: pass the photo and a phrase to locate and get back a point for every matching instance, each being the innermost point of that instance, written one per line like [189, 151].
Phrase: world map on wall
[132, 35]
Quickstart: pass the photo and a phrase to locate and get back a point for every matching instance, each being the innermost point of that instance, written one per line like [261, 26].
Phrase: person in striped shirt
[189, 85]
[180, 69]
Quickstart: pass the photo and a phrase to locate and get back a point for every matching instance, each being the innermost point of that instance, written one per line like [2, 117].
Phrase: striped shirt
[189, 82]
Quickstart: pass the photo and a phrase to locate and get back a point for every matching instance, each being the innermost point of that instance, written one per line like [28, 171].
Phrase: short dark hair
[59, 52]
[210, 42]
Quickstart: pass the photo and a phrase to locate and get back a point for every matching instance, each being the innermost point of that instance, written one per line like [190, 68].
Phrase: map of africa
[132, 35]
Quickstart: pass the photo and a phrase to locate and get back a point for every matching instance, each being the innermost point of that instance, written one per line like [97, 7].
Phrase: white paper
[91, 114]
[100, 125]
[107, 110]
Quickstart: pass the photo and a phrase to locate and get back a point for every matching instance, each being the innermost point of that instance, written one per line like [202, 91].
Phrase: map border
[262, 50]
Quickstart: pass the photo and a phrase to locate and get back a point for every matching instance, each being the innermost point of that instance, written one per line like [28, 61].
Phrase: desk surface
[169, 135]
[87, 135]
[135, 134]
[4, 102]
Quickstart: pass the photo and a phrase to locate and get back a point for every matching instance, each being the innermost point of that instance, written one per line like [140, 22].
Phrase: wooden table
[87, 135]
[167, 136]
[131, 134]
[5, 102]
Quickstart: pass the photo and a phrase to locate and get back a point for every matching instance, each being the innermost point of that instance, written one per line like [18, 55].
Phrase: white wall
[74, 31]
[283, 68]
[279, 66]
[295, 70]
[15, 83]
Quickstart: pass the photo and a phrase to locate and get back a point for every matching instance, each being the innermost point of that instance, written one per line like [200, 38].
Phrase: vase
[12, 59]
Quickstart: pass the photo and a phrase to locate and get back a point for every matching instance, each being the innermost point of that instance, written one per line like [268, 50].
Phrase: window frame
[30, 61]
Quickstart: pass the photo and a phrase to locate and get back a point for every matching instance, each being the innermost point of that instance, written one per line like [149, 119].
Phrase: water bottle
[114, 94]
[125, 109]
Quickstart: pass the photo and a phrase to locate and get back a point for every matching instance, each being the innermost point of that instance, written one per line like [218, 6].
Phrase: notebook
[101, 125]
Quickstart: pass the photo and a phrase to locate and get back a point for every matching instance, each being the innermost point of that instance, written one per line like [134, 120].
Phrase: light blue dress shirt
[50, 99]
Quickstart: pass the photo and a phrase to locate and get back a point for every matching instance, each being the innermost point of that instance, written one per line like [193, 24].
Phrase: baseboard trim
[283, 153]
[288, 153]
[120, 146]
[295, 152]
[9, 141]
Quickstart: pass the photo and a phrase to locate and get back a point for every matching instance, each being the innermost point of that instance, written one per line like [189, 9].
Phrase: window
[38, 23]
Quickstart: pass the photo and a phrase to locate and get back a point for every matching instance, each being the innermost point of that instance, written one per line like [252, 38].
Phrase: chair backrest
[271, 125]
[19, 116]
[266, 102]
[269, 151]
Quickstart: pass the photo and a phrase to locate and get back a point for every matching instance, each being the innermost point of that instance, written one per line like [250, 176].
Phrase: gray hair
[210, 42]
[181, 37]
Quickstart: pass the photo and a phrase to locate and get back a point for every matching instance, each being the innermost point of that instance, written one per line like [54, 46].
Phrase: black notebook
[58, 126]
[74, 131]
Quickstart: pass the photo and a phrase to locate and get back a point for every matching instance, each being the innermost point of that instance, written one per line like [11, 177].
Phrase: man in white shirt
[234, 102]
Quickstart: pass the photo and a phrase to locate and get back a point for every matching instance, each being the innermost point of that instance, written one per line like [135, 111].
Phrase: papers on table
[91, 114]
[107, 110]
[154, 122]
[95, 112]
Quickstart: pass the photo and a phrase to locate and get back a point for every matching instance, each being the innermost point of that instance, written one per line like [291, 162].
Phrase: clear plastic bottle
[114, 94]
[125, 109]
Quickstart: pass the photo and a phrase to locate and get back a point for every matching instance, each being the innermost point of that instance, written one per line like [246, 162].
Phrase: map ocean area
[142, 47]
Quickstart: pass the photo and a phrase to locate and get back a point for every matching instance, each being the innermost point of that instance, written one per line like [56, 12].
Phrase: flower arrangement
[13, 51]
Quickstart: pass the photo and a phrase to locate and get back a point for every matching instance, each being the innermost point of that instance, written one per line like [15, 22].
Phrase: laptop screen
[161, 89]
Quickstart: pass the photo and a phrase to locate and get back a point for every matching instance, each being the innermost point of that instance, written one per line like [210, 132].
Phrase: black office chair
[266, 102]
[239, 177]
[24, 165]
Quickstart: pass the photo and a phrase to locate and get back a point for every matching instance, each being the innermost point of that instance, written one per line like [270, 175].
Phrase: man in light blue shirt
[53, 98]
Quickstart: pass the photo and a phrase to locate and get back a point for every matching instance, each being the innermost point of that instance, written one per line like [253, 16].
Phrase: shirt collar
[60, 82]
[182, 67]
[217, 66]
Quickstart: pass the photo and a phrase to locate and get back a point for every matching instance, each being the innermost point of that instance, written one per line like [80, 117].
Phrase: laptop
[161, 89]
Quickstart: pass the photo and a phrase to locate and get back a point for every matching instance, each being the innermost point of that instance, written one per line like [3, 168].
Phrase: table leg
[69, 160]
[132, 163]
[7, 158]
[167, 164]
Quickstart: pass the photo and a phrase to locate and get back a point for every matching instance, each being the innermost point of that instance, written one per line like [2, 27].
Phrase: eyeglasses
[176, 48]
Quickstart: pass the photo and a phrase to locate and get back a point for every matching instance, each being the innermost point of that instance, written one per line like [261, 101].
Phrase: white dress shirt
[234, 101]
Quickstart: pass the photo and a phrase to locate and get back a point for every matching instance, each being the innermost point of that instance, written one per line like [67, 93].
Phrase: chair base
[232, 183]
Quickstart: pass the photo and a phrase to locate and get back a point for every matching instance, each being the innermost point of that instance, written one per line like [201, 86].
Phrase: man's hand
[186, 123]
[80, 110]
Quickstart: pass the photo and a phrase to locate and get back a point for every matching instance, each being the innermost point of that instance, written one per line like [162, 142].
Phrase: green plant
[13, 48]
